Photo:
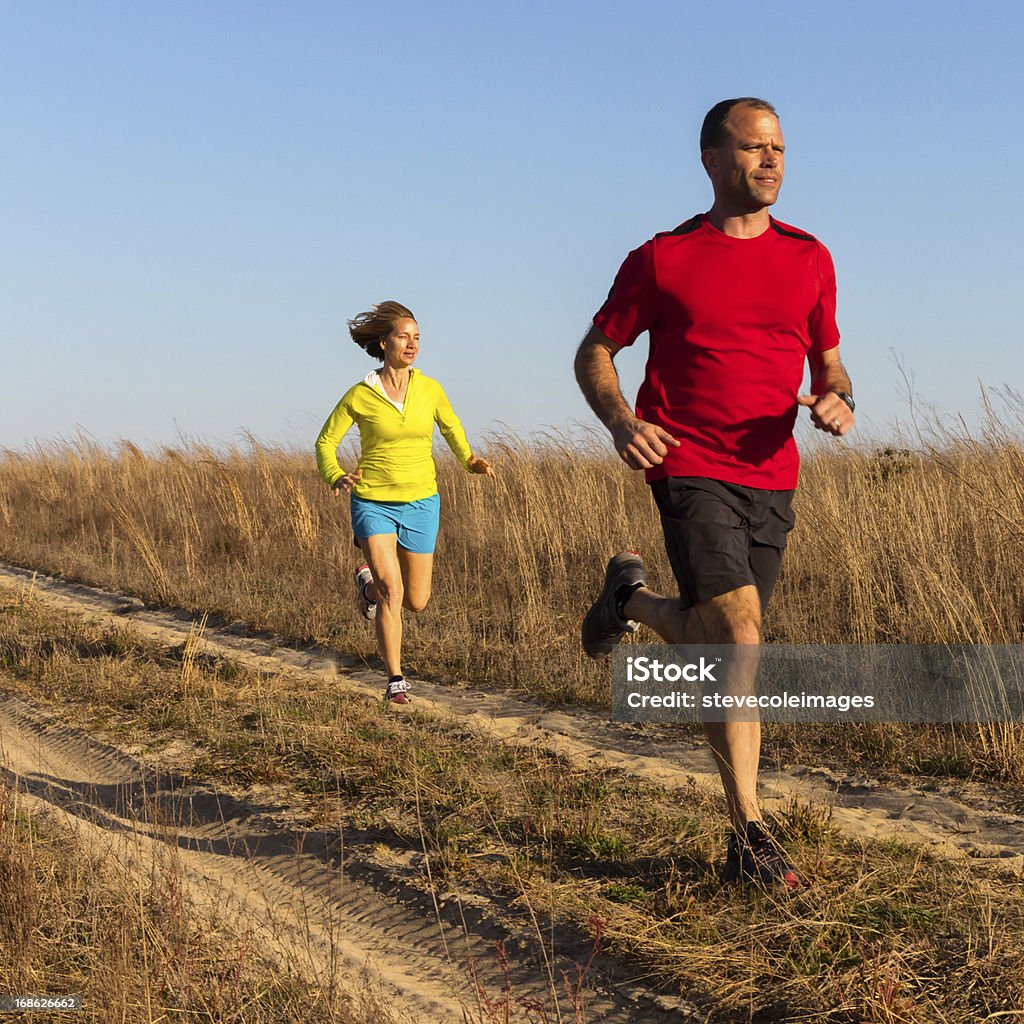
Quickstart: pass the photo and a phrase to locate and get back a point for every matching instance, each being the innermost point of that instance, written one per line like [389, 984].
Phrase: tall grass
[897, 544]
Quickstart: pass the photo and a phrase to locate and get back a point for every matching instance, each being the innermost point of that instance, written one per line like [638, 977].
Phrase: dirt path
[334, 905]
[955, 822]
[330, 908]
[339, 904]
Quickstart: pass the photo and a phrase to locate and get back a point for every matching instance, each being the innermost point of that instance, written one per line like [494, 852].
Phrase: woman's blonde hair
[369, 328]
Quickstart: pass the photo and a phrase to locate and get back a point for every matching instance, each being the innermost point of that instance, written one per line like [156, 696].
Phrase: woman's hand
[481, 466]
[347, 482]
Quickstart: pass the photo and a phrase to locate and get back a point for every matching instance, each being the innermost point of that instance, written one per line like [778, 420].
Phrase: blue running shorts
[415, 522]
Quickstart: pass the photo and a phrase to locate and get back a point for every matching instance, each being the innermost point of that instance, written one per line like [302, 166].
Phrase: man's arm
[640, 445]
[828, 377]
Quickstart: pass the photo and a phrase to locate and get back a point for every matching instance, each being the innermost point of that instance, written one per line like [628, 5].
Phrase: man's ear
[709, 158]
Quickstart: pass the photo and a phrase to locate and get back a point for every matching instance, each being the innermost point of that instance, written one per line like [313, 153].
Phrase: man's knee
[732, 618]
[742, 630]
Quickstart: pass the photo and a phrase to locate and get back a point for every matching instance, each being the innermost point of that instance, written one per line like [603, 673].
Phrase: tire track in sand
[329, 909]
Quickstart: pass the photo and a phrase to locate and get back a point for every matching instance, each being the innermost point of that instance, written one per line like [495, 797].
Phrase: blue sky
[196, 196]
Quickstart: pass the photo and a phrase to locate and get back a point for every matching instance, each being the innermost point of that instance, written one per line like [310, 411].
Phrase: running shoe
[604, 625]
[367, 607]
[756, 857]
[397, 692]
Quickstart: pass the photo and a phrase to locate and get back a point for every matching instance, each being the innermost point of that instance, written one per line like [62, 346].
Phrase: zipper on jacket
[387, 401]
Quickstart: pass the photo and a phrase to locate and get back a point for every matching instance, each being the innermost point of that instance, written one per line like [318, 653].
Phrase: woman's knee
[390, 592]
[416, 602]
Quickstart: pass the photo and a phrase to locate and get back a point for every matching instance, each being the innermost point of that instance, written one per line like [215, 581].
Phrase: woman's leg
[417, 574]
[382, 554]
[417, 536]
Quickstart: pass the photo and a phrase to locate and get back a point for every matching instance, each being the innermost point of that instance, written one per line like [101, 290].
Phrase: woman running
[395, 504]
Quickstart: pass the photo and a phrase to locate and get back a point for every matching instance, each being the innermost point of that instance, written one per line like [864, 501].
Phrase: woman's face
[401, 346]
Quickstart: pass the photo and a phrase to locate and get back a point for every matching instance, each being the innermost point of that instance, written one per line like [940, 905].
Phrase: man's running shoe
[604, 625]
[367, 607]
[397, 692]
[756, 857]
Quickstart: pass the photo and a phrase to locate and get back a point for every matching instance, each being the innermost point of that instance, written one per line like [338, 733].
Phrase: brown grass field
[893, 545]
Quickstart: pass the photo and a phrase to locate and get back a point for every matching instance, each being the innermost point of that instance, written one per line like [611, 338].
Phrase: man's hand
[828, 412]
[347, 482]
[481, 466]
[641, 445]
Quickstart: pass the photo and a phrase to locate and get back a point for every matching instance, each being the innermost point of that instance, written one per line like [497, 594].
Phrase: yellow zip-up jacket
[396, 455]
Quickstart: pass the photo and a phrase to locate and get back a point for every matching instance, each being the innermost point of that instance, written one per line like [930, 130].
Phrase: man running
[734, 301]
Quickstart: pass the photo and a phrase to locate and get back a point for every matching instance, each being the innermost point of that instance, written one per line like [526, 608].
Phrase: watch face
[848, 399]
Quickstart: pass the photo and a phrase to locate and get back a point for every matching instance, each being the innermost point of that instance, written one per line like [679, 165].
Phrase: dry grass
[892, 545]
[131, 942]
[888, 934]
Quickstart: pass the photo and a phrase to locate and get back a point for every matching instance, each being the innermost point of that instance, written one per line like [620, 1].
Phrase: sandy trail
[288, 888]
[953, 821]
[339, 905]
[324, 903]
[336, 905]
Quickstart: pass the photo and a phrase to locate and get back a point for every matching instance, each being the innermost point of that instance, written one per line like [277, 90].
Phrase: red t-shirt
[731, 321]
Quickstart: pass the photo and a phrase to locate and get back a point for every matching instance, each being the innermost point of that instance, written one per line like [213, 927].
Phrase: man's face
[747, 170]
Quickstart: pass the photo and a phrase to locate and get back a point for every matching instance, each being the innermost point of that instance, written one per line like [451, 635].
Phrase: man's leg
[725, 545]
[730, 618]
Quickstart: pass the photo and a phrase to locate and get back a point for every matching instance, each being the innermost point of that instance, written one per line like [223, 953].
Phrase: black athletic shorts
[722, 536]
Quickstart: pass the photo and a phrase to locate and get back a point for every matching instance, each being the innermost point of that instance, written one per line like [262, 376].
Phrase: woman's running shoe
[364, 578]
[397, 692]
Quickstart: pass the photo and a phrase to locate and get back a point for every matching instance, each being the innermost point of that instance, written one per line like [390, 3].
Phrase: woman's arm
[336, 427]
[452, 432]
[451, 428]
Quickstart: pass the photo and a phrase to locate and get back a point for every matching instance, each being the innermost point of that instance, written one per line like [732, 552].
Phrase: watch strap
[848, 399]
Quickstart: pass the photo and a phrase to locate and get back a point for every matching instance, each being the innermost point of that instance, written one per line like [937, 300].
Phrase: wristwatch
[848, 399]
